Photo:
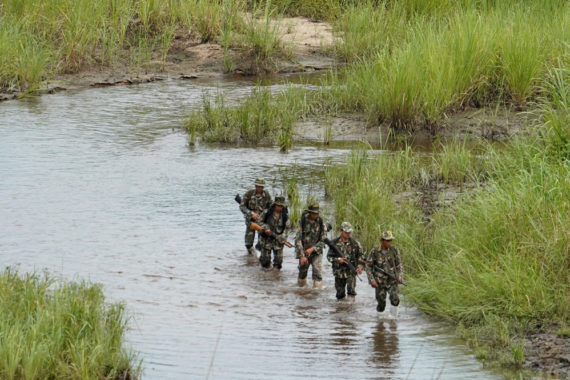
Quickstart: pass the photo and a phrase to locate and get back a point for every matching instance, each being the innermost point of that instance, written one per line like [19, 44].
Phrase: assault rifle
[256, 227]
[338, 253]
[389, 275]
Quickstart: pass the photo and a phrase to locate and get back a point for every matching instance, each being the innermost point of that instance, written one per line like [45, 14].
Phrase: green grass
[496, 262]
[50, 330]
[41, 38]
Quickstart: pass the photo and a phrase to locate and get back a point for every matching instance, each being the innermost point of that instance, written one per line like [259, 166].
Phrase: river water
[101, 185]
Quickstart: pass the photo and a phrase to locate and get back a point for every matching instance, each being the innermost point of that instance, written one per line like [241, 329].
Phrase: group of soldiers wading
[271, 220]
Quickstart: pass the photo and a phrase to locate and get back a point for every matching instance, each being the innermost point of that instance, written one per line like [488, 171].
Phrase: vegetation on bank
[411, 64]
[39, 39]
[496, 261]
[50, 330]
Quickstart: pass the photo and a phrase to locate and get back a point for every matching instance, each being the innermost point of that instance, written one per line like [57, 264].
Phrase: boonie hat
[314, 208]
[260, 182]
[280, 200]
[346, 227]
[387, 235]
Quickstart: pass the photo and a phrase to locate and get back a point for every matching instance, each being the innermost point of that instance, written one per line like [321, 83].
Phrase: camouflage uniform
[250, 203]
[343, 277]
[278, 224]
[310, 234]
[389, 260]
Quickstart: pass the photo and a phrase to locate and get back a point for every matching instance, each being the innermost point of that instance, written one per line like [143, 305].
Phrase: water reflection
[385, 342]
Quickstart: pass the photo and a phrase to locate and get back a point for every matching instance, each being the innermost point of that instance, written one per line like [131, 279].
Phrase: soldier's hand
[374, 284]
[342, 260]
[303, 261]
[308, 251]
[359, 270]
[268, 231]
[254, 216]
[400, 280]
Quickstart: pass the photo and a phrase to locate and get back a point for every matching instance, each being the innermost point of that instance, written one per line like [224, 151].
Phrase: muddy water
[101, 185]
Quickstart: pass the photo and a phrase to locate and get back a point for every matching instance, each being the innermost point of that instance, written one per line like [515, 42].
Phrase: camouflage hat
[313, 208]
[346, 227]
[260, 182]
[280, 200]
[387, 235]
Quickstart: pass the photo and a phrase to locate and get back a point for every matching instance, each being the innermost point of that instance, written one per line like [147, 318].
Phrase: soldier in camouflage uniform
[274, 220]
[352, 251]
[253, 203]
[388, 259]
[309, 245]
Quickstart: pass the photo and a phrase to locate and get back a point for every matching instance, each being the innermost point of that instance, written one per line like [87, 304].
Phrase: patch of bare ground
[306, 43]
[548, 353]
[492, 124]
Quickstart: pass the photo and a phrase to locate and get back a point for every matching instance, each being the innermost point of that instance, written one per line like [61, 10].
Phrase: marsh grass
[53, 330]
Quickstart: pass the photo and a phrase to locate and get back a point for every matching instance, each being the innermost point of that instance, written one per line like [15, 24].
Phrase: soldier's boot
[381, 306]
[258, 246]
[394, 300]
[277, 266]
[302, 282]
[317, 284]
[250, 250]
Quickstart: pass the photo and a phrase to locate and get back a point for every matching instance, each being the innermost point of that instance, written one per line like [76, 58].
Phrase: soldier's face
[345, 235]
[386, 243]
[259, 189]
[313, 215]
[278, 208]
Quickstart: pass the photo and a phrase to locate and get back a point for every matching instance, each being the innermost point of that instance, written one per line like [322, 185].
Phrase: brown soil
[549, 354]
[306, 43]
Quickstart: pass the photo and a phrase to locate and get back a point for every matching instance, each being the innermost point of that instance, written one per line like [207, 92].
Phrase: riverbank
[55, 330]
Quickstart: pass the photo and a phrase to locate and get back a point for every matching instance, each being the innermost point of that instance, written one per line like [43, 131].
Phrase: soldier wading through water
[351, 249]
[276, 224]
[252, 205]
[309, 245]
[385, 271]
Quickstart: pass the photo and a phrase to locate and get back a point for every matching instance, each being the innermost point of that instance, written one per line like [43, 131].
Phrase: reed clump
[54, 331]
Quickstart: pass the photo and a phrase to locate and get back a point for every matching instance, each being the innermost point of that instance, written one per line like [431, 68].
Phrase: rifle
[389, 275]
[238, 198]
[338, 253]
[256, 227]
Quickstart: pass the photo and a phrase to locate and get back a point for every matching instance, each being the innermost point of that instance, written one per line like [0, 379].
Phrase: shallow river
[101, 184]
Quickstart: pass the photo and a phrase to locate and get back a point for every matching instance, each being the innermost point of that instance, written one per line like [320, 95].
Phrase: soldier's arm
[299, 243]
[398, 262]
[320, 245]
[243, 205]
[360, 255]
[370, 266]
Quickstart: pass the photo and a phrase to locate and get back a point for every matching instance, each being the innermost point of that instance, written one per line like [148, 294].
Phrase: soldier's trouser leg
[381, 297]
[394, 299]
[351, 285]
[249, 237]
[317, 263]
[303, 271]
[277, 258]
[265, 257]
[340, 285]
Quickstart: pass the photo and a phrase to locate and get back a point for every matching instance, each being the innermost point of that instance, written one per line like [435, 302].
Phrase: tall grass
[41, 38]
[495, 263]
[51, 330]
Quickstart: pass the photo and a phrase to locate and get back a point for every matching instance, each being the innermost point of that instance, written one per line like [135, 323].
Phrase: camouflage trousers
[249, 236]
[317, 262]
[265, 257]
[381, 291]
[348, 283]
